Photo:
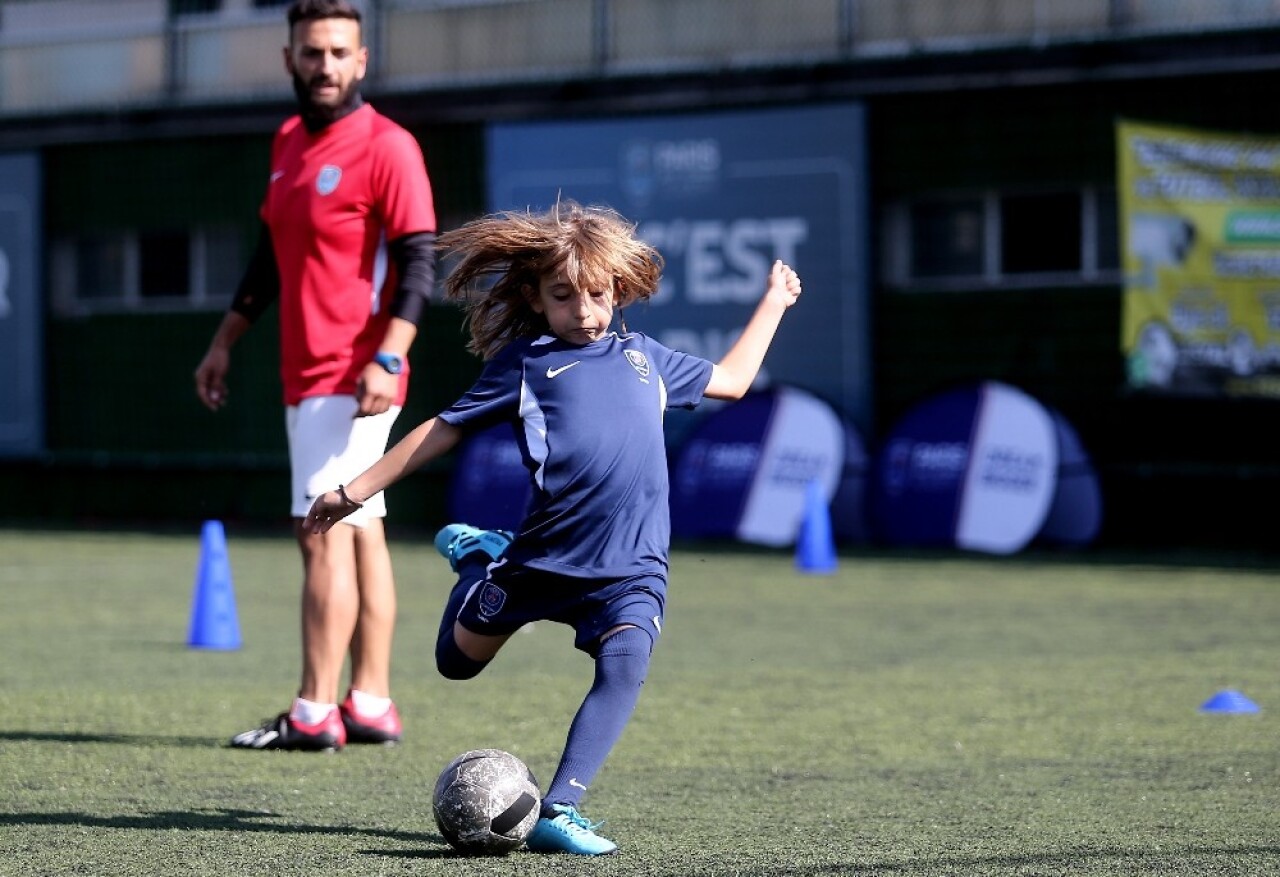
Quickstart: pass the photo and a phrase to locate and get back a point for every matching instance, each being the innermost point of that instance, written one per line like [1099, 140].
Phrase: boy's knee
[452, 663]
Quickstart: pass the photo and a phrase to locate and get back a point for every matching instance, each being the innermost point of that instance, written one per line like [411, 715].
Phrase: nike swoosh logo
[552, 372]
[276, 175]
[577, 785]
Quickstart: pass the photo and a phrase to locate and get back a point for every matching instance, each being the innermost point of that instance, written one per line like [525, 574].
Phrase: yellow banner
[1200, 223]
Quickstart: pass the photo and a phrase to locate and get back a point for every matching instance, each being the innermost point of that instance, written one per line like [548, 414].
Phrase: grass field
[940, 715]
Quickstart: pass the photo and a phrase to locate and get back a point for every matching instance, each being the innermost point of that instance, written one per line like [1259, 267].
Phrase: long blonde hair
[502, 256]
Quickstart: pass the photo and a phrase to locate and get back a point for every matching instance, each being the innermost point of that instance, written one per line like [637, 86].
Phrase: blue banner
[743, 472]
[976, 468]
[1075, 518]
[21, 325]
[722, 195]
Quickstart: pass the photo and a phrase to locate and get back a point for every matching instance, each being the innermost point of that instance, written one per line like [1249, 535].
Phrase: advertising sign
[1075, 518]
[1200, 225]
[975, 468]
[722, 195]
[743, 472]
[21, 348]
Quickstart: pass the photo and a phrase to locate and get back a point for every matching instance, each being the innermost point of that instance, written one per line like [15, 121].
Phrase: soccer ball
[486, 802]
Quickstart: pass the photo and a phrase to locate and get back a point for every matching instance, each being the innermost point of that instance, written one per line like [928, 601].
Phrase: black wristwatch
[392, 362]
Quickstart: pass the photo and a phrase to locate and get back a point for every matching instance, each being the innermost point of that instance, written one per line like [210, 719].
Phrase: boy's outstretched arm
[426, 442]
[733, 375]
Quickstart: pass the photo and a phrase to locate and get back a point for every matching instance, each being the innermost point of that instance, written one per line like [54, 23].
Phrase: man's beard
[317, 115]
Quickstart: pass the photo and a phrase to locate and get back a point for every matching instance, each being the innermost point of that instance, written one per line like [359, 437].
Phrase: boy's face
[574, 315]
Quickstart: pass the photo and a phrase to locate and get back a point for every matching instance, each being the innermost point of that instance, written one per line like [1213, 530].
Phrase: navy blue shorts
[511, 597]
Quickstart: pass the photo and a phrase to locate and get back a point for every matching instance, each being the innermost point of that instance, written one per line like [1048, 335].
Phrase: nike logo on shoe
[258, 738]
[552, 372]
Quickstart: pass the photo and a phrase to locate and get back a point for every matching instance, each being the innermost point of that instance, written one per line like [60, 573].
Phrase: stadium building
[976, 232]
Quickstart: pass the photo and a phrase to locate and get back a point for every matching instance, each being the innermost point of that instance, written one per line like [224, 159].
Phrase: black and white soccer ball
[486, 802]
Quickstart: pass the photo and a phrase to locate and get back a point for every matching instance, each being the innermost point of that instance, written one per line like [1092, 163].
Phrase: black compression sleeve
[260, 285]
[414, 256]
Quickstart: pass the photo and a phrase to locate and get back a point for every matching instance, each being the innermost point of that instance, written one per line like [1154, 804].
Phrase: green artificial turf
[907, 715]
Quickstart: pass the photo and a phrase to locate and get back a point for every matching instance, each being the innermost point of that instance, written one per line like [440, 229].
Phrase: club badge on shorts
[492, 599]
[328, 178]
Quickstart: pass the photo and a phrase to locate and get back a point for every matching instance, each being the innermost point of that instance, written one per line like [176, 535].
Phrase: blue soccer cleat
[568, 832]
[457, 541]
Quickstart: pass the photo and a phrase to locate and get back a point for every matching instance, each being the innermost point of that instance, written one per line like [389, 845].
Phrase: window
[100, 267]
[151, 270]
[1002, 239]
[1040, 234]
[164, 265]
[947, 238]
[193, 7]
[1105, 211]
[206, 7]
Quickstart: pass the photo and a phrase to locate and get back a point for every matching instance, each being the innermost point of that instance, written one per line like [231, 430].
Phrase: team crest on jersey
[638, 361]
[327, 179]
[492, 599]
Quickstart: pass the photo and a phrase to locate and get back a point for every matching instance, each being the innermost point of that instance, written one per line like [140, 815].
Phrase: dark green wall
[126, 437]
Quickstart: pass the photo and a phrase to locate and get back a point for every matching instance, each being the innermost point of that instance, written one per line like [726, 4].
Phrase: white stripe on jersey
[535, 430]
[379, 274]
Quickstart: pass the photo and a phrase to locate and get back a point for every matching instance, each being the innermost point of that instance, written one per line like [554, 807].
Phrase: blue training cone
[816, 547]
[214, 624]
[1229, 701]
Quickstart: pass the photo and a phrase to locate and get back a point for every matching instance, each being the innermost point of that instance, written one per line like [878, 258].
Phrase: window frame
[898, 236]
[64, 286]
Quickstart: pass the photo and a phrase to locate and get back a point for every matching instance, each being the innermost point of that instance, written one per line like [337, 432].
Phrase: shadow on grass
[440, 852]
[123, 739]
[1060, 862]
[216, 819]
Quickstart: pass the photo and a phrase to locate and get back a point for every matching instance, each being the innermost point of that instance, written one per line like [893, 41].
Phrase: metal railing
[53, 59]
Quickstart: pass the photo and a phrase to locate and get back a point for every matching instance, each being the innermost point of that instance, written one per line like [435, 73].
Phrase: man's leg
[368, 712]
[376, 621]
[328, 445]
[330, 607]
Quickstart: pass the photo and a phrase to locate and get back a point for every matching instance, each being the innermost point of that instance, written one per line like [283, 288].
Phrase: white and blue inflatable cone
[1229, 701]
[214, 624]
[816, 547]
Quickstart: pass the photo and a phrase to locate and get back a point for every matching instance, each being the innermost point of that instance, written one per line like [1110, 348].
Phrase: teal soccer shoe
[457, 541]
[568, 832]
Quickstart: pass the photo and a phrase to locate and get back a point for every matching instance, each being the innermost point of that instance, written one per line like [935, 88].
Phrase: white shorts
[329, 445]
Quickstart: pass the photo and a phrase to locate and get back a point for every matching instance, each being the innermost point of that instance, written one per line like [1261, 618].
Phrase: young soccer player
[587, 404]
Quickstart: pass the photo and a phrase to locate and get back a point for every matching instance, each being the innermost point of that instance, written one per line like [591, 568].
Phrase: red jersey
[334, 199]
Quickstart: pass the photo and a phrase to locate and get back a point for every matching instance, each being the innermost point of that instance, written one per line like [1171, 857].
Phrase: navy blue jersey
[588, 419]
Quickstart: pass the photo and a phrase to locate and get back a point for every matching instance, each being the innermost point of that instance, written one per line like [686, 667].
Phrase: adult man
[348, 201]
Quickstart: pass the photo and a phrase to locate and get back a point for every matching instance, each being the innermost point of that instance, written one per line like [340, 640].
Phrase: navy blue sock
[621, 667]
[450, 660]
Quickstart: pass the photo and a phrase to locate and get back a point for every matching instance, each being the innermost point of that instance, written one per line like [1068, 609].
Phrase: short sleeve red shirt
[334, 200]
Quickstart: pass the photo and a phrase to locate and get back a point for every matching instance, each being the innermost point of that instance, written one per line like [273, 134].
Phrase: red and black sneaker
[283, 732]
[362, 728]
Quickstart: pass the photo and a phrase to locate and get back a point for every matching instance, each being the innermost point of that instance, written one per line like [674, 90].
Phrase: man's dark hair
[317, 10]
